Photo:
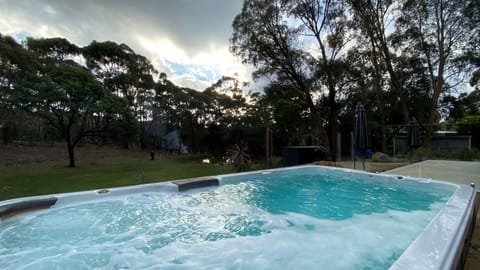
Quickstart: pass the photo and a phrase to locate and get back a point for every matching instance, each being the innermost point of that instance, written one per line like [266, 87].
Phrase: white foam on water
[308, 244]
[203, 230]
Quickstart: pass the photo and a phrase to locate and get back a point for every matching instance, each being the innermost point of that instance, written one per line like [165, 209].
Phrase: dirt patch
[13, 155]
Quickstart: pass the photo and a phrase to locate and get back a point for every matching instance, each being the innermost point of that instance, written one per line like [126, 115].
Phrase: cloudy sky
[187, 39]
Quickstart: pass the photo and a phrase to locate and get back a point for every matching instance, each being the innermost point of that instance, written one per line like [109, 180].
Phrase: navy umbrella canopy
[413, 134]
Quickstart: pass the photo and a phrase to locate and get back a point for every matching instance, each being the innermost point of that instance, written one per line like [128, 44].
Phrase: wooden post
[339, 147]
[268, 146]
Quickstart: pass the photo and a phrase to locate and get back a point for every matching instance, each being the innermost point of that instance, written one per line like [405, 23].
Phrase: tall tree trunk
[322, 133]
[436, 79]
[381, 113]
[332, 125]
[317, 122]
[67, 135]
[396, 83]
[375, 16]
[192, 134]
[432, 114]
[377, 87]
[384, 134]
[71, 154]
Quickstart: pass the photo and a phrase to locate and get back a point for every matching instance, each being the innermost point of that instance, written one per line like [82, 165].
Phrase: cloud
[190, 81]
[205, 66]
[192, 34]
[163, 47]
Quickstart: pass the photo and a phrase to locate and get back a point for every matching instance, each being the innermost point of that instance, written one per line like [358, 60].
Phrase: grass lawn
[55, 177]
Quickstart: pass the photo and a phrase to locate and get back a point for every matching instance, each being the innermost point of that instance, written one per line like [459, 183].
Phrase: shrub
[464, 154]
[239, 156]
[467, 154]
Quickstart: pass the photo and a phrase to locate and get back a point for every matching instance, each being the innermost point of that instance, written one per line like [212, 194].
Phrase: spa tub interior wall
[458, 209]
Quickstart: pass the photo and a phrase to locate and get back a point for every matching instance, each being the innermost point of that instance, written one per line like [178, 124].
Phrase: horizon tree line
[402, 58]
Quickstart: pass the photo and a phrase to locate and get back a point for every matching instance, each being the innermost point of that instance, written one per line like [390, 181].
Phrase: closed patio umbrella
[360, 140]
[413, 135]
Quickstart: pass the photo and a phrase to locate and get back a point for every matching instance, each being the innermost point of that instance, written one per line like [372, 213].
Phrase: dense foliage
[106, 93]
[401, 58]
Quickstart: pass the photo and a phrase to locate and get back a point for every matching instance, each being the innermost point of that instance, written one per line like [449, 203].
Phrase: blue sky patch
[200, 72]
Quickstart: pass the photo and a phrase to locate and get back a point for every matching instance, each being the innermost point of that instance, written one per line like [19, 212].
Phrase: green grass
[55, 177]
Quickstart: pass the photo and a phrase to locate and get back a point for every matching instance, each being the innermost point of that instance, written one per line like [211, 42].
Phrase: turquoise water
[296, 219]
[333, 194]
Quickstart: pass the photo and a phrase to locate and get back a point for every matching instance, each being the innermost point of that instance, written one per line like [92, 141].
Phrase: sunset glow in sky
[186, 39]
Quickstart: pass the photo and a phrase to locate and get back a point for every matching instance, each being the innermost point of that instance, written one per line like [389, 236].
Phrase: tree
[463, 105]
[226, 99]
[436, 31]
[370, 87]
[374, 20]
[327, 22]
[173, 102]
[42, 80]
[209, 120]
[16, 64]
[121, 71]
[125, 73]
[470, 125]
[56, 49]
[263, 38]
[298, 43]
[70, 99]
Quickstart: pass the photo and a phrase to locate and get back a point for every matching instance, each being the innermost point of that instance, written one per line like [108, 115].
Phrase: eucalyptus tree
[69, 98]
[171, 102]
[370, 87]
[376, 22]
[108, 61]
[125, 73]
[299, 44]
[226, 100]
[466, 104]
[472, 13]
[327, 22]
[378, 64]
[436, 31]
[180, 109]
[16, 64]
[56, 49]
[41, 79]
[205, 118]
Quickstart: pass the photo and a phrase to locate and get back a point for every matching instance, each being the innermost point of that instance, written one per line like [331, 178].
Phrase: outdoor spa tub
[305, 217]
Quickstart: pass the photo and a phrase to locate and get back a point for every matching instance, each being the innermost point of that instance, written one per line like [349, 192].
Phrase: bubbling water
[261, 223]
